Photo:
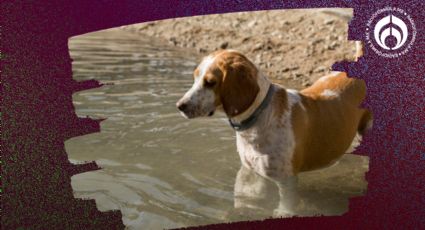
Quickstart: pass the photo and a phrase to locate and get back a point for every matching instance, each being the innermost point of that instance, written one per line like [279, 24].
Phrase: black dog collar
[250, 121]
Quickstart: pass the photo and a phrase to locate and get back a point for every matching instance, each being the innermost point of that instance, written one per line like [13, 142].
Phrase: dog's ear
[239, 86]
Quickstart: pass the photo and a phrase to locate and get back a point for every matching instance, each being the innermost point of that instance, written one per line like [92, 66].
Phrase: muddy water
[161, 170]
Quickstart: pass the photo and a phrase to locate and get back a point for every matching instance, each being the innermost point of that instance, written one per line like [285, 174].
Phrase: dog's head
[224, 79]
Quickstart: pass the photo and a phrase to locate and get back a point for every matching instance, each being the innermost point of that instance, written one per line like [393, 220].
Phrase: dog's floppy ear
[239, 87]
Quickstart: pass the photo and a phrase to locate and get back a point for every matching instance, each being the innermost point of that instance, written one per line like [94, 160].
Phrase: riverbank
[293, 47]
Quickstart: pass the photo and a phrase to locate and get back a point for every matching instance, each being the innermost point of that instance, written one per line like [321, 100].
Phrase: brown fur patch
[239, 87]
[326, 129]
[280, 102]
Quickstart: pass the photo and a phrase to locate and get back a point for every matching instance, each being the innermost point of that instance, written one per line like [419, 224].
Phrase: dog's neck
[264, 85]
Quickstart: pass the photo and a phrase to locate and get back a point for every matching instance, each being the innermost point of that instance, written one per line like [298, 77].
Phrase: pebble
[301, 19]
[286, 69]
[224, 45]
[286, 23]
[299, 75]
[246, 39]
[316, 41]
[329, 21]
[257, 46]
[252, 23]
[332, 46]
[174, 40]
[306, 84]
[320, 69]
[273, 48]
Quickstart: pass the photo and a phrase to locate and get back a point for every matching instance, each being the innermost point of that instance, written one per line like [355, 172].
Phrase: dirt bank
[293, 47]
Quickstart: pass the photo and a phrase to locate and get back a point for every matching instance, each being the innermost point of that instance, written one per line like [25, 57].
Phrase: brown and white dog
[280, 132]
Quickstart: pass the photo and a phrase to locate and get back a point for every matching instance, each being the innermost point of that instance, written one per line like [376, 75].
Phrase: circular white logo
[390, 32]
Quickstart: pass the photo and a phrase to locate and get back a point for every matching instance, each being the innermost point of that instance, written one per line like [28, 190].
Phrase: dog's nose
[181, 106]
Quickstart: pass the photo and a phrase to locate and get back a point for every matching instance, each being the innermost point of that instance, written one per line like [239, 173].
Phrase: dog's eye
[209, 83]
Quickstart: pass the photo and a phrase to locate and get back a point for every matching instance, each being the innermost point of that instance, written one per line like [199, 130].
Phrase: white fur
[266, 147]
[294, 98]
[329, 93]
[205, 65]
[328, 77]
[198, 97]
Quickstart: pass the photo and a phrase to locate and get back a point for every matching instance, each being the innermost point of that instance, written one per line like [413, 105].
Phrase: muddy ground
[293, 47]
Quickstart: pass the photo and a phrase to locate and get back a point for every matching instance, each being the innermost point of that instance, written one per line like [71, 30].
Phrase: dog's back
[328, 120]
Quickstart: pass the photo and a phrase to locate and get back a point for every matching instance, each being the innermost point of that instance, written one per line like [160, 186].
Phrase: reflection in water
[161, 170]
[321, 192]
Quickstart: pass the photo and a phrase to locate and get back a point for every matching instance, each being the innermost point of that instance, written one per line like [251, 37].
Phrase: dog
[279, 132]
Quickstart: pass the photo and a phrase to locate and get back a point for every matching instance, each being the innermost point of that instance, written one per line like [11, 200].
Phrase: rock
[333, 45]
[306, 84]
[276, 34]
[277, 59]
[284, 70]
[286, 23]
[252, 23]
[319, 40]
[235, 24]
[224, 45]
[320, 69]
[245, 39]
[329, 21]
[297, 75]
[173, 40]
[257, 46]
[301, 19]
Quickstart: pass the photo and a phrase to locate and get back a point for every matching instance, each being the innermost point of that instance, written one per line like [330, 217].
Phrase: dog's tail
[346, 15]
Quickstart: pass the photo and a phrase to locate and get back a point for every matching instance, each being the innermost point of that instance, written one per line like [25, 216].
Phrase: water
[161, 170]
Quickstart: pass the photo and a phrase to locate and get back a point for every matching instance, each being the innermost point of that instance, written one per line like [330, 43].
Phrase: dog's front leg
[253, 191]
[290, 200]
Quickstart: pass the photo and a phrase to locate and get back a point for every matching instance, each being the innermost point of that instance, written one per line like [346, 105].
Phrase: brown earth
[293, 47]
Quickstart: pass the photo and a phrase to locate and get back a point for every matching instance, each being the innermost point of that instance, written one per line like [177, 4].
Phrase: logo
[390, 32]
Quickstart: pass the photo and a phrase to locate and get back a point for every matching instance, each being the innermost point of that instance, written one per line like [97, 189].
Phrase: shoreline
[292, 47]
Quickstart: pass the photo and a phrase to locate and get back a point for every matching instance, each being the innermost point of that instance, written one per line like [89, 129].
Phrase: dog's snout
[181, 106]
